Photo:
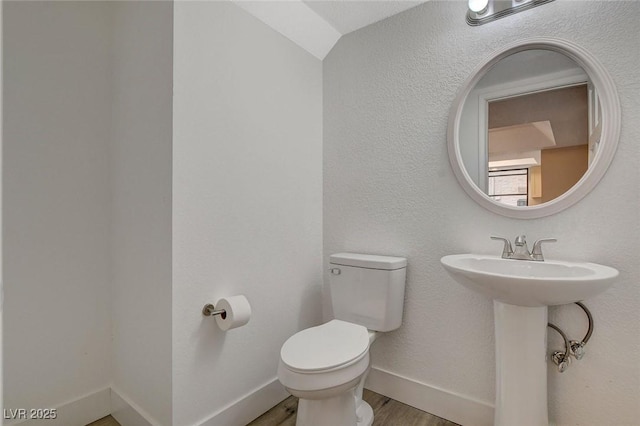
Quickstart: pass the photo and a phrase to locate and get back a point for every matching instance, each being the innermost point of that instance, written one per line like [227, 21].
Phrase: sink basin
[529, 283]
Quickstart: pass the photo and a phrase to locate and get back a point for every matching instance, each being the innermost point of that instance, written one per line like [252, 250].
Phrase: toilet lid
[324, 347]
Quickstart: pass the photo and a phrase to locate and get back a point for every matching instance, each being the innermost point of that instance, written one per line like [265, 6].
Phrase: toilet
[326, 366]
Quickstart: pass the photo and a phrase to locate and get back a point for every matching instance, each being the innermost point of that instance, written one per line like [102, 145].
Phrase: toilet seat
[330, 346]
[324, 361]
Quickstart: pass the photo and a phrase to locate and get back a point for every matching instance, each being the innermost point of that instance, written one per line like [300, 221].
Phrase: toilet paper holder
[210, 310]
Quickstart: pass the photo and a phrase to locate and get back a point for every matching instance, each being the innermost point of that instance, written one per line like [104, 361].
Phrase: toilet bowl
[326, 366]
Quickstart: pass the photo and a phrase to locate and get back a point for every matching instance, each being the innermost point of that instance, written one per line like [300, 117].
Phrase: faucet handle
[507, 250]
[536, 253]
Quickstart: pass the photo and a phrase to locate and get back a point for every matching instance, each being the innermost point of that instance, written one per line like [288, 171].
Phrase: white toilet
[326, 366]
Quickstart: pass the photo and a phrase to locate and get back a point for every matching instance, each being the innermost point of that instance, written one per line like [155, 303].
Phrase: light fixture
[483, 11]
[478, 6]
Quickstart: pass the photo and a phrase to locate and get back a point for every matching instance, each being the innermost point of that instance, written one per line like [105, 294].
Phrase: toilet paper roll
[237, 312]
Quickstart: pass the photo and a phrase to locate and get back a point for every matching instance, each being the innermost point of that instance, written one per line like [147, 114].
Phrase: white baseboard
[452, 406]
[79, 412]
[249, 407]
[127, 412]
[99, 404]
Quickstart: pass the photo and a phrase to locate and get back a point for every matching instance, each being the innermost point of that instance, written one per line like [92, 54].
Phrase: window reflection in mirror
[530, 128]
[509, 186]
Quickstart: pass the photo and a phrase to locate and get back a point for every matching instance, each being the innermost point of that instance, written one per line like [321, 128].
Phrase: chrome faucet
[521, 251]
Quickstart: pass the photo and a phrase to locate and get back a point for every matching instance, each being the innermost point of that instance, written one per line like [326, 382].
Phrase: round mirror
[534, 128]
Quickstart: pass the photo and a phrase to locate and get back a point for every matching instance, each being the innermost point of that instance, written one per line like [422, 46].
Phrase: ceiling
[348, 15]
[317, 25]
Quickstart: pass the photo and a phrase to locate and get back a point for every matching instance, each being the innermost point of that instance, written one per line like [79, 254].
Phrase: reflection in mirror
[529, 128]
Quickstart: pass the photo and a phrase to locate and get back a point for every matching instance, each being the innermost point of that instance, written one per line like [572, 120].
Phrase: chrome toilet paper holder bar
[210, 310]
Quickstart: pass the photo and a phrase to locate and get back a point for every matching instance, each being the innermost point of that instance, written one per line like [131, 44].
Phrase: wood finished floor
[386, 412]
[105, 421]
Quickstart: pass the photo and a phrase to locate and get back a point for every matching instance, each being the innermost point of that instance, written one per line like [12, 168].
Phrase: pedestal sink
[522, 291]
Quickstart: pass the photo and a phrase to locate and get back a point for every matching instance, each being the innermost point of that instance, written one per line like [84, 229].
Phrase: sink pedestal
[521, 366]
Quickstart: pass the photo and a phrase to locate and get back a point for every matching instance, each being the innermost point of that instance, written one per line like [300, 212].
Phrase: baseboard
[79, 412]
[452, 406]
[127, 412]
[250, 406]
[111, 400]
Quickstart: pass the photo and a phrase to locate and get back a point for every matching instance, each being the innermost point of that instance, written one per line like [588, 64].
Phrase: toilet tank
[368, 289]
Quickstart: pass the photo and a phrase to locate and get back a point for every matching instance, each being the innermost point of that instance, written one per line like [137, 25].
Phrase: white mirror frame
[610, 105]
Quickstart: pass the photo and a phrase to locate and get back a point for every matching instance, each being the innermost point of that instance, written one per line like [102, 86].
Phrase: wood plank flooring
[105, 421]
[386, 411]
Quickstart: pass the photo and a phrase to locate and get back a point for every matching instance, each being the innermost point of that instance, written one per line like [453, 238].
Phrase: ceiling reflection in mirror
[529, 129]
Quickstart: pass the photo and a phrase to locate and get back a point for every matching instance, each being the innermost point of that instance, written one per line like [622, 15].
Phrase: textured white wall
[247, 200]
[57, 108]
[141, 205]
[389, 189]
